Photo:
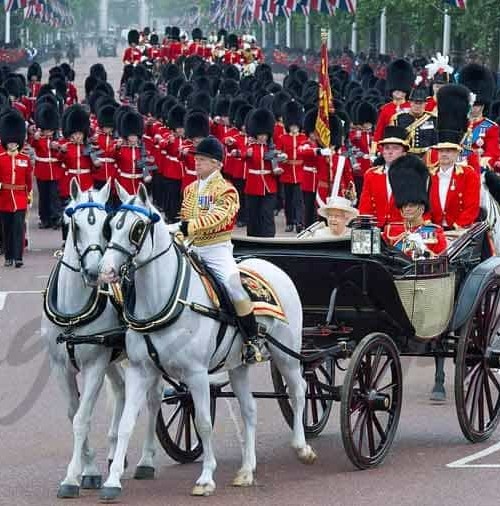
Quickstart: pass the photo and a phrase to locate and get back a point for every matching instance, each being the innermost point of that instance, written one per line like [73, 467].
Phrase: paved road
[35, 437]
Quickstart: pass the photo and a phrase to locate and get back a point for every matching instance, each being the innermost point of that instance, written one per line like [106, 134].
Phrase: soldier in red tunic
[15, 186]
[400, 80]
[48, 170]
[233, 56]
[292, 168]
[175, 47]
[196, 47]
[34, 77]
[13, 87]
[197, 127]
[376, 197]
[132, 54]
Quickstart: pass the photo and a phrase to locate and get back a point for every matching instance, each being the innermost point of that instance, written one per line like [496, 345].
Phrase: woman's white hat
[339, 203]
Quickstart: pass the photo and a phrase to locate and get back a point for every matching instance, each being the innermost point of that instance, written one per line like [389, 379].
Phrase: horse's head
[129, 233]
[86, 216]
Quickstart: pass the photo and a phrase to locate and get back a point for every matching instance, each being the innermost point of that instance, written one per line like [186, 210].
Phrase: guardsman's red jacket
[76, 164]
[385, 115]
[47, 163]
[15, 181]
[107, 158]
[129, 175]
[293, 166]
[260, 177]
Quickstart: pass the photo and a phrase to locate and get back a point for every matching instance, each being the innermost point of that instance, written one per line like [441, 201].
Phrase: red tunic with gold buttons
[375, 200]
[47, 164]
[279, 130]
[233, 58]
[128, 175]
[461, 208]
[107, 145]
[361, 140]
[385, 115]
[307, 153]
[76, 164]
[171, 164]
[174, 51]
[260, 178]
[293, 166]
[15, 182]
[132, 55]
[238, 162]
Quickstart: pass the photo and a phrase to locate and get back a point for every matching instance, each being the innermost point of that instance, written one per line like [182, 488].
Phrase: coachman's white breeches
[219, 259]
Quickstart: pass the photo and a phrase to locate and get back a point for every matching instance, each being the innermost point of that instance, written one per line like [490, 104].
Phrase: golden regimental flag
[322, 129]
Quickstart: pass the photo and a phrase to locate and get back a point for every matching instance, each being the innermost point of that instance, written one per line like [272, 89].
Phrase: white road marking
[3, 295]
[464, 463]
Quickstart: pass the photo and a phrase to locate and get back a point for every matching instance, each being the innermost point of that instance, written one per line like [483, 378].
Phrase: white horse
[73, 295]
[186, 349]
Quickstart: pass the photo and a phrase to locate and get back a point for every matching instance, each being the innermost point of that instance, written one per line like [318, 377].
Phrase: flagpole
[7, 27]
[289, 31]
[354, 37]
[446, 32]
[308, 32]
[264, 44]
[383, 31]
[276, 32]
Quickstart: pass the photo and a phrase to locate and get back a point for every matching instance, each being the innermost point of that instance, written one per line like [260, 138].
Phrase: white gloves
[325, 151]
[174, 227]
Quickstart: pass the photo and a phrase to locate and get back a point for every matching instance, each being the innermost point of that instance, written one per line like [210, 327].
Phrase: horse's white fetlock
[244, 478]
[306, 455]
[203, 490]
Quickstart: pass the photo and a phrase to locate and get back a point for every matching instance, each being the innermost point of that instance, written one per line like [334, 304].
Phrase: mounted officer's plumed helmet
[197, 34]
[132, 123]
[133, 37]
[77, 120]
[400, 76]
[260, 121]
[480, 81]
[196, 124]
[293, 114]
[176, 117]
[106, 116]
[34, 70]
[12, 128]
[47, 117]
[210, 147]
[409, 178]
[453, 111]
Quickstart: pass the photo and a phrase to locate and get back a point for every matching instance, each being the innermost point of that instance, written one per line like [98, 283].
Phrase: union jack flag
[348, 5]
[14, 5]
[461, 4]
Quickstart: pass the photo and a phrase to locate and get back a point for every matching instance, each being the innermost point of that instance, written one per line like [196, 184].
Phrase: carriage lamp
[365, 236]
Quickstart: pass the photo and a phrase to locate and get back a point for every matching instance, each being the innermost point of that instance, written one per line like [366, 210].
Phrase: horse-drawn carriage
[372, 309]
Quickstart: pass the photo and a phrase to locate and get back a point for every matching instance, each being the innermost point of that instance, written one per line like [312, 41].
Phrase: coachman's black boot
[252, 344]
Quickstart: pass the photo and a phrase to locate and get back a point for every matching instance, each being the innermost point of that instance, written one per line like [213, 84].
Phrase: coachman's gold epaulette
[378, 169]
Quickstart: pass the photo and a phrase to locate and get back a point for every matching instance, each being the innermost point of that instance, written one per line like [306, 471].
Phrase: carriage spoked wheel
[477, 383]
[371, 400]
[175, 426]
[319, 378]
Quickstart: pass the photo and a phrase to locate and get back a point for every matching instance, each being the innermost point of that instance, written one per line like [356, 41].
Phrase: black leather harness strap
[153, 354]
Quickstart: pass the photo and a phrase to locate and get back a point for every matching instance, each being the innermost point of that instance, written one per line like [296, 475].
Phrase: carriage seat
[264, 299]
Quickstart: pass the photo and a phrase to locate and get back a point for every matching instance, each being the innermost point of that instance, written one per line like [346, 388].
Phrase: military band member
[175, 47]
[233, 56]
[132, 54]
[400, 79]
[408, 177]
[482, 136]
[420, 125]
[196, 48]
[15, 186]
[208, 215]
[377, 198]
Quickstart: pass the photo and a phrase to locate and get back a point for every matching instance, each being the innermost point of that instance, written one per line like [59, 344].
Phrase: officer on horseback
[208, 215]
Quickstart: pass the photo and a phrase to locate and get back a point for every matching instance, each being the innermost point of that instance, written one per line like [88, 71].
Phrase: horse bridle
[70, 212]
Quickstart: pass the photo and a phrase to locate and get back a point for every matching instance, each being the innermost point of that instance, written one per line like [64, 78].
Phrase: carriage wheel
[477, 386]
[175, 427]
[317, 408]
[371, 400]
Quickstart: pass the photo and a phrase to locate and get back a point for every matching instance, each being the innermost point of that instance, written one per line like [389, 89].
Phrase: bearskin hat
[175, 33]
[12, 128]
[278, 101]
[13, 87]
[310, 120]
[185, 91]
[47, 117]
[210, 147]
[200, 101]
[196, 124]
[232, 72]
[336, 130]
[146, 30]
[119, 113]
[273, 88]
[229, 87]
[106, 116]
[170, 71]
[293, 114]
[77, 120]
[167, 104]
[480, 81]
[221, 106]
[409, 178]
[34, 70]
[197, 34]
[65, 68]
[153, 39]
[400, 76]
[176, 117]
[241, 115]
[131, 123]
[453, 110]
[59, 85]
[90, 83]
[232, 41]
[236, 103]
[174, 85]
[260, 121]
[365, 113]
[221, 34]
[145, 102]
[133, 37]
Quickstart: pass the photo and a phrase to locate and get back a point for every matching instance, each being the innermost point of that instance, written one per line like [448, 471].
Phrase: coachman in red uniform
[15, 186]
[48, 169]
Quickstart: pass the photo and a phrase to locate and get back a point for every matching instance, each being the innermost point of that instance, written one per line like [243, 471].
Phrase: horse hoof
[109, 494]
[307, 455]
[68, 491]
[125, 464]
[144, 473]
[92, 482]
[203, 490]
[243, 479]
